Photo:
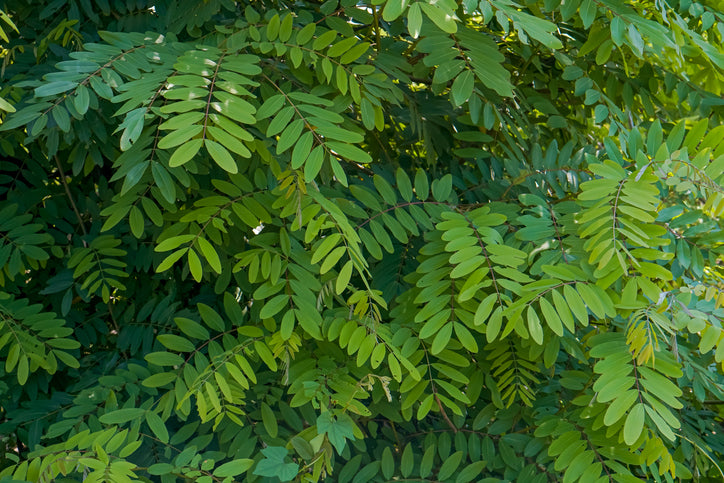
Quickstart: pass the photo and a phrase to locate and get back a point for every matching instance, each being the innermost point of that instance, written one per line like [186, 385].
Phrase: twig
[442, 410]
[70, 197]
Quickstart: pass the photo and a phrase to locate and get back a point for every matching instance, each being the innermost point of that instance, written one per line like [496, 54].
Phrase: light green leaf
[534, 327]
[619, 406]
[445, 22]
[414, 20]
[195, 265]
[344, 276]
[338, 429]
[349, 151]
[221, 156]
[157, 426]
[273, 306]
[179, 136]
[209, 252]
[634, 424]
[233, 468]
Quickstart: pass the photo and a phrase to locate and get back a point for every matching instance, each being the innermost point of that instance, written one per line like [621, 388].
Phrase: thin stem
[70, 196]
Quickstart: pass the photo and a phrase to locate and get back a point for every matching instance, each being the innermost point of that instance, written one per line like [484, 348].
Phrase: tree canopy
[361, 240]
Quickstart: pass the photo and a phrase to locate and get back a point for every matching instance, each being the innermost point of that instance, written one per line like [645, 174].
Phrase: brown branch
[442, 410]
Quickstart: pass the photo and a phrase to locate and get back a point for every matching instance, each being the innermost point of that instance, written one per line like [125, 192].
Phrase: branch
[70, 197]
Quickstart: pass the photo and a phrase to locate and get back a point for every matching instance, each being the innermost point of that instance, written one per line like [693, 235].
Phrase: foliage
[361, 241]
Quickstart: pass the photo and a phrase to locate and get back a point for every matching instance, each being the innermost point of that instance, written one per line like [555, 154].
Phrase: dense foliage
[361, 240]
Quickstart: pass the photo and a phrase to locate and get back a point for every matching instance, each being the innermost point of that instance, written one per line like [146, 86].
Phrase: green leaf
[619, 406]
[494, 324]
[160, 379]
[272, 28]
[385, 189]
[387, 463]
[81, 100]
[302, 149]
[170, 260]
[414, 20]
[634, 424]
[280, 121]
[265, 354]
[53, 88]
[233, 468]
[269, 420]
[338, 429]
[450, 465]
[403, 184]
[353, 153]
[427, 461]
[136, 222]
[407, 461]
[635, 39]
[164, 359]
[273, 306]
[344, 277]
[575, 303]
[211, 317]
[341, 47]
[485, 309]
[7, 107]
[617, 30]
[462, 87]
[354, 53]
[551, 317]
[306, 33]
[588, 12]
[195, 265]
[210, 254]
[163, 181]
[122, 416]
[221, 156]
[157, 426]
[23, 369]
[160, 469]
[591, 299]
[228, 141]
[285, 29]
[441, 188]
[290, 135]
[324, 40]
[600, 113]
[442, 338]
[274, 465]
[176, 343]
[313, 163]
[442, 19]
[271, 106]
[332, 259]
[563, 311]
[185, 152]
[534, 327]
[179, 136]
[393, 9]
